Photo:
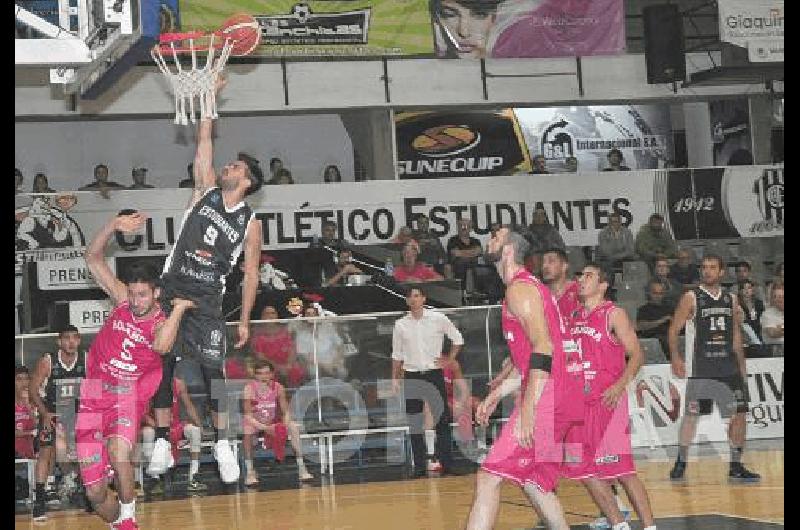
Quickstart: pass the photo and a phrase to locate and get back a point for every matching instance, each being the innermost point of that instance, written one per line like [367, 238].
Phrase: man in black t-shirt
[653, 318]
[463, 251]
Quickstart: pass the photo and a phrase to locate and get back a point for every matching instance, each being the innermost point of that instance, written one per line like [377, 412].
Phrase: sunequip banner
[318, 28]
[704, 203]
[658, 402]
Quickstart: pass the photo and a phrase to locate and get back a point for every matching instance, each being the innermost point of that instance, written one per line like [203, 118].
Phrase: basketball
[244, 31]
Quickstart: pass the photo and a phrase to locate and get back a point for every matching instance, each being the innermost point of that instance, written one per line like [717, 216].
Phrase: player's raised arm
[95, 254]
[167, 330]
[252, 256]
[204, 176]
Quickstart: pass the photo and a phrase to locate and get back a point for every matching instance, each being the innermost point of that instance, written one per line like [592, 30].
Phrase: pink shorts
[606, 440]
[540, 465]
[95, 425]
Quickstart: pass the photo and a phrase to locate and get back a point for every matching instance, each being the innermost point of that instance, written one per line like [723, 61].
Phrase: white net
[193, 83]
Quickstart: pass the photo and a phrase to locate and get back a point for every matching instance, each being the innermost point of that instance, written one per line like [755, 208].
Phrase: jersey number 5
[210, 236]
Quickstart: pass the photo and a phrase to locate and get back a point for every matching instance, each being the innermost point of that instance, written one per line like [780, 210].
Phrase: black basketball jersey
[709, 336]
[62, 387]
[209, 242]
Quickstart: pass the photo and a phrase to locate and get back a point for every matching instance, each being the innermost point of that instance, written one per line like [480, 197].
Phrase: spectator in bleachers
[672, 289]
[614, 244]
[543, 235]
[744, 272]
[653, 318]
[411, 270]
[188, 182]
[778, 278]
[539, 165]
[24, 415]
[463, 251]
[772, 318]
[685, 271]
[752, 308]
[404, 236]
[101, 181]
[344, 268]
[431, 250]
[571, 164]
[273, 341]
[266, 412]
[282, 176]
[332, 174]
[139, 174]
[327, 238]
[653, 240]
[275, 165]
[40, 184]
[18, 180]
[615, 159]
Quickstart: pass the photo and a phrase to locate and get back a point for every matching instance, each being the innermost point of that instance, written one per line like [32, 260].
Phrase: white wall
[67, 151]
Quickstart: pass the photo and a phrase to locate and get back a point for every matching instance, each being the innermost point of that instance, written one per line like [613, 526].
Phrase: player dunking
[715, 364]
[604, 333]
[528, 451]
[217, 225]
[123, 370]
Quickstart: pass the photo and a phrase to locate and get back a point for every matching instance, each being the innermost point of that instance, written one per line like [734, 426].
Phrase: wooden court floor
[443, 503]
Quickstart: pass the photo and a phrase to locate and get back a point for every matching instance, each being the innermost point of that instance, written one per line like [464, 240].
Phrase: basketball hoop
[239, 35]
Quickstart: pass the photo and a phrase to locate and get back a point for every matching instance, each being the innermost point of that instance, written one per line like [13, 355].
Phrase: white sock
[300, 463]
[430, 441]
[248, 464]
[194, 467]
[127, 511]
[621, 526]
[653, 527]
[620, 503]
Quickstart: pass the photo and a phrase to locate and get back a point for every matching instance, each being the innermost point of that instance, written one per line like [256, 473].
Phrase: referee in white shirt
[417, 355]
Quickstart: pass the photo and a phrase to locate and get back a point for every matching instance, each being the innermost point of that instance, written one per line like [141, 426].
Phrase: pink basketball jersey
[24, 420]
[569, 302]
[121, 362]
[565, 387]
[603, 356]
[264, 401]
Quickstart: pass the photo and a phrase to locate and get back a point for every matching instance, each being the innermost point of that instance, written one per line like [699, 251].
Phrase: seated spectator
[101, 181]
[744, 272]
[331, 174]
[411, 270]
[188, 182]
[571, 164]
[752, 309]
[283, 176]
[18, 179]
[404, 236]
[614, 245]
[615, 159]
[266, 412]
[653, 318]
[273, 342]
[344, 268]
[138, 174]
[542, 236]
[327, 238]
[685, 271]
[275, 165]
[653, 240]
[672, 289]
[539, 165]
[772, 318]
[778, 276]
[24, 415]
[463, 251]
[40, 184]
[431, 250]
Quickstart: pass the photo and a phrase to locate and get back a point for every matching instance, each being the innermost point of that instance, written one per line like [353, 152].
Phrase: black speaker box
[663, 44]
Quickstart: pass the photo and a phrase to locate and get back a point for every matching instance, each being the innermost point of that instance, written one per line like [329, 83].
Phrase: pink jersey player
[24, 421]
[569, 302]
[559, 406]
[122, 374]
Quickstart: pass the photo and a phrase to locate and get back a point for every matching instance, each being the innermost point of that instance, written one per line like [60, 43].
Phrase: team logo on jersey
[216, 337]
[240, 219]
[607, 459]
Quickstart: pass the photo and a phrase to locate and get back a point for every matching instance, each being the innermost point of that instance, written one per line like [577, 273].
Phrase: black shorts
[729, 393]
[201, 334]
[66, 424]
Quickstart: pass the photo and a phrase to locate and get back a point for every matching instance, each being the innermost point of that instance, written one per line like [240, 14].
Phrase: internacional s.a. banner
[528, 28]
[317, 28]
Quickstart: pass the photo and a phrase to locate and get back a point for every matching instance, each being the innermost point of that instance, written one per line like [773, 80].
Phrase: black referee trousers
[415, 396]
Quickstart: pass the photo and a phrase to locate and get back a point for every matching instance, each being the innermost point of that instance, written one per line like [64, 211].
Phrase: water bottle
[389, 267]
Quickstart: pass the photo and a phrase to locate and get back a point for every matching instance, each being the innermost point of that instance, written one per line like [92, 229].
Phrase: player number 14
[717, 323]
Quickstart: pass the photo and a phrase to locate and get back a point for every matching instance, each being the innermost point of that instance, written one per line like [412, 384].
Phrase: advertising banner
[318, 28]
[701, 203]
[757, 25]
[528, 28]
[65, 274]
[658, 402]
[89, 315]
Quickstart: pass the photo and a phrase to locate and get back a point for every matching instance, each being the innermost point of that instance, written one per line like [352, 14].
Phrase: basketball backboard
[89, 44]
